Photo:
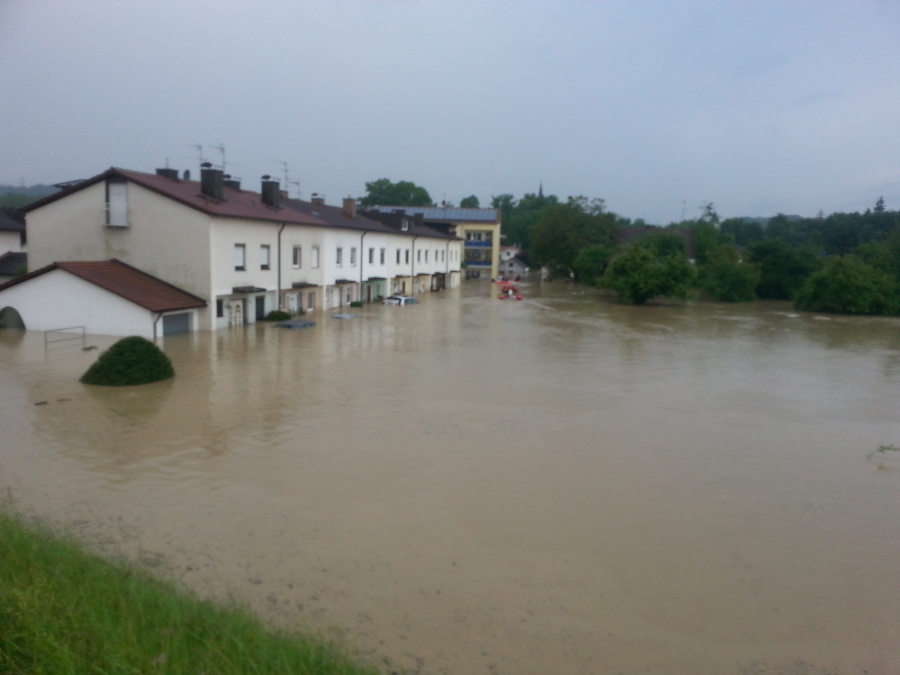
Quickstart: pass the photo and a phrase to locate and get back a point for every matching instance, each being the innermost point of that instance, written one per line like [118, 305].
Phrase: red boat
[509, 291]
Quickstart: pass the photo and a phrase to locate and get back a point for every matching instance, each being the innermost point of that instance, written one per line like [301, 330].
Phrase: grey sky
[657, 107]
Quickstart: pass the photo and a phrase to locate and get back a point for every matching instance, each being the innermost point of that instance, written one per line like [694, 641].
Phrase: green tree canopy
[847, 285]
[470, 202]
[402, 193]
[591, 262]
[726, 278]
[563, 230]
[639, 274]
[783, 268]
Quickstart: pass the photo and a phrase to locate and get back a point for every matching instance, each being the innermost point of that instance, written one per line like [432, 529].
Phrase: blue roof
[452, 215]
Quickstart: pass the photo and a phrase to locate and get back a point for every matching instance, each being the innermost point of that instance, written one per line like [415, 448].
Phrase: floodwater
[470, 486]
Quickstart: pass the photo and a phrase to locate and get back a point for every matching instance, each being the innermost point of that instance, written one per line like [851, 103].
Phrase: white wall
[58, 299]
[10, 241]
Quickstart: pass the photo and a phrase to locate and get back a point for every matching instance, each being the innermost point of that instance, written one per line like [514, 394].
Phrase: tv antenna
[287, 177]
[221, 148]
[199, 148]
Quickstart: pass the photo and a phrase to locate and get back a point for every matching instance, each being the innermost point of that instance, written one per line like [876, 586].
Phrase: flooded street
[470, 486]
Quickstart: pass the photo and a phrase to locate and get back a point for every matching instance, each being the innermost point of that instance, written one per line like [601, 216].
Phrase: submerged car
[400, 300]
[295, 324]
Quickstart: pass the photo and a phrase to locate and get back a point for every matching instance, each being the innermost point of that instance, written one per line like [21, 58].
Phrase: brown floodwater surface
[467, 486]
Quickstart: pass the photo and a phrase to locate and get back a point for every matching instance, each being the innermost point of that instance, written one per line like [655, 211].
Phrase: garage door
[176, 323]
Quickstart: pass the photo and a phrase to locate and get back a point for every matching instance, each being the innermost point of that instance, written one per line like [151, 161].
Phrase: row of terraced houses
[127, 252]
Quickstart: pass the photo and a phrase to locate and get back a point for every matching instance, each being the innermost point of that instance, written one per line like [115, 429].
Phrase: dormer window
[404, 224]
[116, 203]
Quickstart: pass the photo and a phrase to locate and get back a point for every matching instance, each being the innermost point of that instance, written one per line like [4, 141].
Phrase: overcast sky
[657, 107]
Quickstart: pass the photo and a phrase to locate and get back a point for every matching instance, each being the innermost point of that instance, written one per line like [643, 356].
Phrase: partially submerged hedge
[132, 360]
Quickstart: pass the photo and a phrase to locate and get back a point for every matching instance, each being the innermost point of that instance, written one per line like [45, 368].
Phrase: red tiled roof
[126, 281]
[235, 204]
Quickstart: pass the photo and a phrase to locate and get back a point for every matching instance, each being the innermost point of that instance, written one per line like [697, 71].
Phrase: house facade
[479, 229]
[245, 253]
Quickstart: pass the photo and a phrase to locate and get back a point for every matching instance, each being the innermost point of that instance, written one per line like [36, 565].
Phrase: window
[407, 256]
[240, 257]
[353, 257]
[117, 204]
[382, 256]
[426, 255]
[398, 256]
[220, 308]
[419, 256]
[297, 258]
[314, 257]
[371, 256]
[404, 224]
[340, 257]
[265, 252]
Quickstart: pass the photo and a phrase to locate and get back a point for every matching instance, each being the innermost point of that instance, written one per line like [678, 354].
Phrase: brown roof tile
[126, 281]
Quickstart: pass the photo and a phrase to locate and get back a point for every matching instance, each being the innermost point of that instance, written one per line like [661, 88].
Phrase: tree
[726, 278]
[402, 193]
[591, 262]
[879, 205]
[470, 202]
[783, 268]
[563, 230]
[847, 285]
[639, 274]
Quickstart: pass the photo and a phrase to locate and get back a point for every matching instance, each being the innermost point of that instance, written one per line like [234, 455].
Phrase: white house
[245, 253]
[107, 297]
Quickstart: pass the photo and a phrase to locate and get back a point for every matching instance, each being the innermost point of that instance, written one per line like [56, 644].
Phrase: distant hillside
[18, 196]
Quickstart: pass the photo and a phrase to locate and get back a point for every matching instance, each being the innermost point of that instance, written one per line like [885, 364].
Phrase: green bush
[132, 360]
[357, 303]
[847, 285]
[276, 315]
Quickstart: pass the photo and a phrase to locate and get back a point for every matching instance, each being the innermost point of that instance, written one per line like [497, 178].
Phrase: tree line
[842, 263]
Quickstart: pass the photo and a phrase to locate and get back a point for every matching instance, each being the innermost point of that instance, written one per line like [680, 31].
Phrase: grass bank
[63, 611]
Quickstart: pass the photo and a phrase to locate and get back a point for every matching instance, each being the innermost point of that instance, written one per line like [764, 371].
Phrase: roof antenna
[199, 148]
[220, 148]
[287, 177]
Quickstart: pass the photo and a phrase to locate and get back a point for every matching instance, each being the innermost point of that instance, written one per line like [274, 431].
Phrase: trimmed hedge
[130, 361]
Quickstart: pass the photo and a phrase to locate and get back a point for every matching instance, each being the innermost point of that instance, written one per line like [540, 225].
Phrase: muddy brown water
[558, 485]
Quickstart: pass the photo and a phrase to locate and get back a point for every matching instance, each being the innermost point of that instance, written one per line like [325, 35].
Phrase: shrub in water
[276, 315]
[131, 360]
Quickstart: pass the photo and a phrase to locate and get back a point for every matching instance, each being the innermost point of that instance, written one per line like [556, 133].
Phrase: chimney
[168, 173]
[349, 207]
[211, 181]
[230, 182]
[270, 192]
[317, 199]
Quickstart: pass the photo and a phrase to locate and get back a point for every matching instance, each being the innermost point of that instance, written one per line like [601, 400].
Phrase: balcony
[473, 243]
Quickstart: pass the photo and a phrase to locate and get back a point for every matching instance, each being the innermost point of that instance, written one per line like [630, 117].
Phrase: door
[176, 323]
[236, 313]
[260, 307]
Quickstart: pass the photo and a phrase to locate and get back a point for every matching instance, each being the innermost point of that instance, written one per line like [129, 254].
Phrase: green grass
[65, 612]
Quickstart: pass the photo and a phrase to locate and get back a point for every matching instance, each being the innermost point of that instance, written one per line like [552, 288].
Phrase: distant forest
[17, 196]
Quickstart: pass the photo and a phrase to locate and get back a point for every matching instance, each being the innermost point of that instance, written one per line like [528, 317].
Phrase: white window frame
[297, 257]
[265, 256]
[314, 257]
[117, 203]
[353, 256]
[339, 256]
[240, 257]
